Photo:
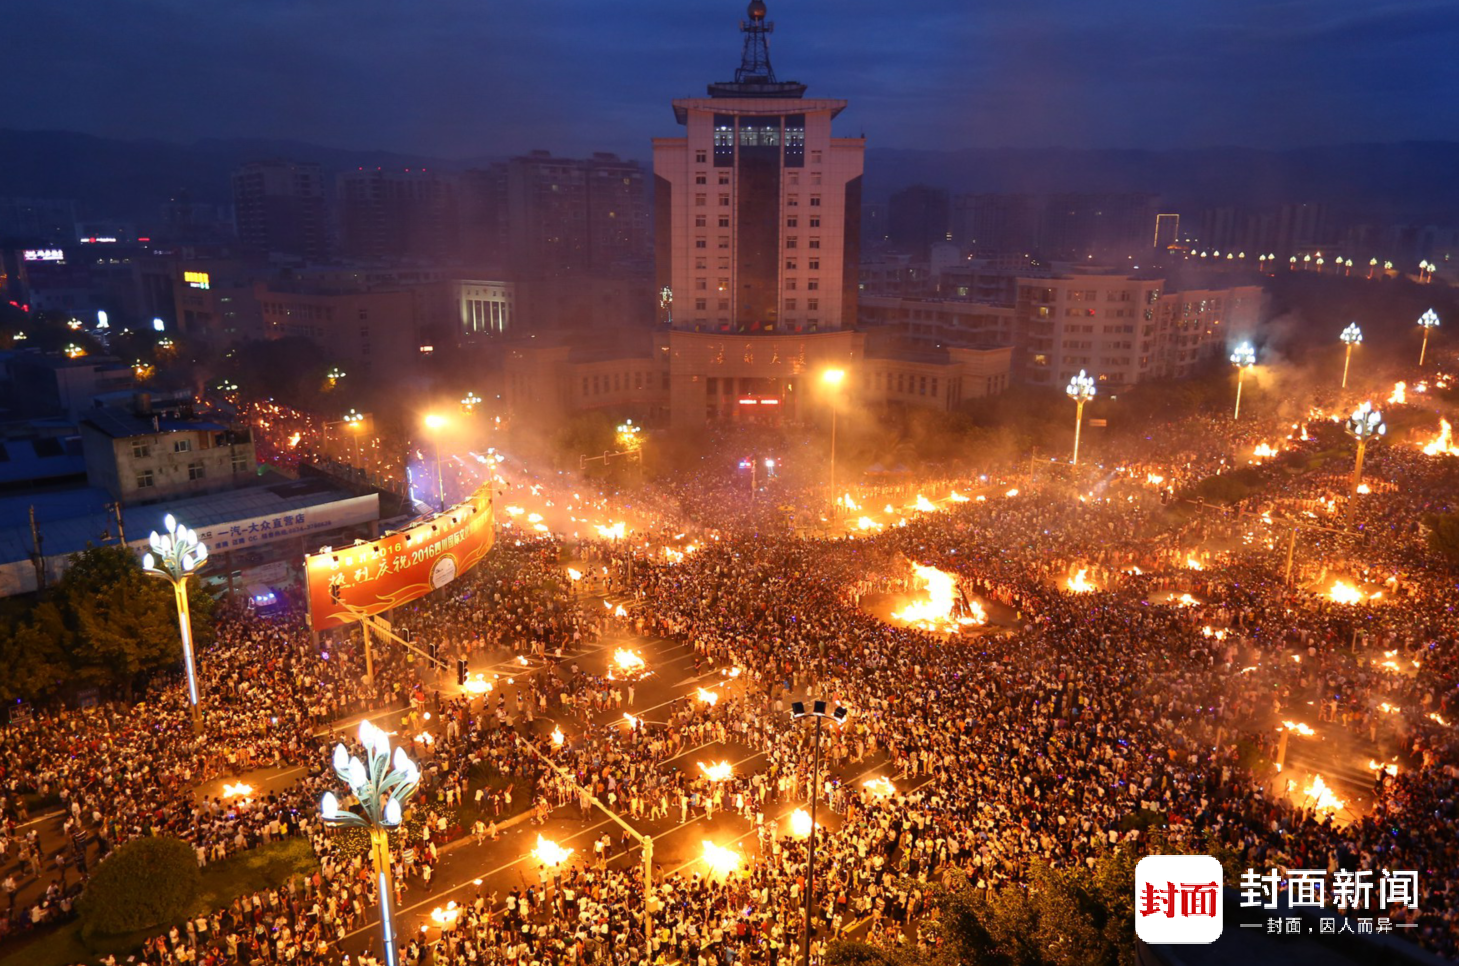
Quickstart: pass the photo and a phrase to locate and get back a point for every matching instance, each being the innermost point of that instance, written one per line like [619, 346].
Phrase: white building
[758, 206]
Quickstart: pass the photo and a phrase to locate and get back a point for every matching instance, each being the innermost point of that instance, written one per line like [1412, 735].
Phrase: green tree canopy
[145, 883]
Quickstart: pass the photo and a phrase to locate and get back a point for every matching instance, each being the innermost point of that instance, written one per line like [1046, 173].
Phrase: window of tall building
[815, 201]
[791, 222]
[815, 243]
[724, 221]
[724, 201]
[723, 241]
[792, 201]
[792, 242]
[699, 157]
[790, 305]
[813, 264]
[701, 178]
[195, 470]
[140, 450]
[701, 285]
[816, 221]
[790, 264]
[700, 199]
[182, 446]
[813, 284]
[700, 221]
[701, 243]
[701, 305]
[812, 305]
[144, 479]
[724, 177]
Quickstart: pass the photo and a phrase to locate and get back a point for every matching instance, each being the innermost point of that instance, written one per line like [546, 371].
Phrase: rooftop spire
[755, 77]
[755, 61]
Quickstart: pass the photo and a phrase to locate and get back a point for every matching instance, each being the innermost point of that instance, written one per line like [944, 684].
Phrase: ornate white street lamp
[382, 787]
[1366, 423]
[1430, 321]
[1081, 390]
[799, 712]
[1243, 359]
[176, 556]
[1351, 336]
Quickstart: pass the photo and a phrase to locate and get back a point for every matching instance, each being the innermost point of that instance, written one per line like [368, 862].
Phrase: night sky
[455, 78]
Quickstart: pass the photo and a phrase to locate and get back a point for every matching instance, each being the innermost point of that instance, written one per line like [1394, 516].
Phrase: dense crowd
[1079, 722]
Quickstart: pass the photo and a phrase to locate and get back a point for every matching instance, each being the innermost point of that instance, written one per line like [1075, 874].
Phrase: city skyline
[455, 83]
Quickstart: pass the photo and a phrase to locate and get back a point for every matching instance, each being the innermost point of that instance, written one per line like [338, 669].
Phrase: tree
[124, 621]
[34, 655]
[147, 882]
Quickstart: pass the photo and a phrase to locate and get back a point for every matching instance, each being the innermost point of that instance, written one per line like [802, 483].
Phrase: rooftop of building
[40, 458]
[71, 519]
[120, 423]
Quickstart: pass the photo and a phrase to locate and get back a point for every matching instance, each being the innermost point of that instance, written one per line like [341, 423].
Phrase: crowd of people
[1076, 722]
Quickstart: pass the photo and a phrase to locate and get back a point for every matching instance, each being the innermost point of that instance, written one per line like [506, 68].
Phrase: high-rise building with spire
[758, 207]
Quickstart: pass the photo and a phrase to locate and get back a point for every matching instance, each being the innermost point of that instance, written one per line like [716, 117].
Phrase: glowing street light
[1364, 424]
[469, 402]
[1243, 359]
[382, 797]
[1429, 321]
[334, 375]
[1081, 390]
[354, 421]
[435, 423]
[1351, 336]
[833, 378]
[798, 712]
[176, 556]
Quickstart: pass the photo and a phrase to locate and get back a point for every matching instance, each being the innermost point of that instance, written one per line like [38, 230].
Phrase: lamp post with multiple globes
[176, 556]
[1081, 390]
[1351, 336]
[383, 787]
[1243, 359]
[1366, 423]
[1428, 321]
[435, 423]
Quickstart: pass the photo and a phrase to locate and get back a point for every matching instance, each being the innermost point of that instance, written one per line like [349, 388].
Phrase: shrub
[144, 883]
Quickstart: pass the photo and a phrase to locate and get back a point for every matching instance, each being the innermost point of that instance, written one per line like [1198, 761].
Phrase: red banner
[400, 567]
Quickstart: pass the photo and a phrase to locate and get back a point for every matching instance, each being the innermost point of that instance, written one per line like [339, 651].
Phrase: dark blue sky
[472, 77]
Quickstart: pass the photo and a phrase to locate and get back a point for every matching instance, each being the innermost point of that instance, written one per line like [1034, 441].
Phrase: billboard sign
[399, 567]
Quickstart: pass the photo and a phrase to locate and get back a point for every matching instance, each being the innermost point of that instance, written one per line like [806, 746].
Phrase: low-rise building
[142, 454]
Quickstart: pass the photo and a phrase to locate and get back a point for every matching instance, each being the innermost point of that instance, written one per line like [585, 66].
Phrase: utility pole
[39, 556]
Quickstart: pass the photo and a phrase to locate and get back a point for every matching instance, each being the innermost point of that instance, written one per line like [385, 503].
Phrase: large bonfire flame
[1263, 451]
[1442, 444]
[1079, 583]
[936, 612]
[1400, 394]
[1322, 796]
[1343, 592]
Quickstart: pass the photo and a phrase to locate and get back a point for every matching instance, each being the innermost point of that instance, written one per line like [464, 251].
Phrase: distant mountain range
[1401, 182]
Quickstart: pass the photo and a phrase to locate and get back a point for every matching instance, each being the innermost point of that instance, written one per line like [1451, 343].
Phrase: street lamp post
[381, 796]
[1429, 321]
[176, 556]
[1243, 359]
[435, 424]
[1081, 390]
[818, 711]
[1351, 336]
[833, 378]
[1366, 423]
[354, 421]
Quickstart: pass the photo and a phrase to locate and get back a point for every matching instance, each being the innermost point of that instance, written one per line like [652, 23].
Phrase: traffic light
[433, 649]
[461, 671]
[1164, 497]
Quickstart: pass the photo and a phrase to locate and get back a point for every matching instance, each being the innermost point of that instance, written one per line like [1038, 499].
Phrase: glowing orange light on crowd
[558, 737]
[880, 787]
[1012, 492]
[1263, 451]
[800, 823]
[574, 575]
[935, 613]
[515, 511]
[1435, 717]
[957, 497]
[867, 523]
[1343, 592]
[710, 698]
[1443, 444]
[720, 860]
[924, 505]
[1079, 583]
[1192, 563]
[1324, 799]
[849, 503]
[549, 852]
[425, 738]
[294, 440]
[1391, 768]
[1154, 478]
[1399, 394]
[613, 531]
[446, 916]
[1299, 728]
[478, 684]
[1186, 600]
[1387, 708]
[722, 771]
[1364, 488]
[241, 790]
[630, 720]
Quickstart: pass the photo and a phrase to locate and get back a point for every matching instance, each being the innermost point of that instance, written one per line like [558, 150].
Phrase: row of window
[620, 381]
[196, 470]
[907, 385]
